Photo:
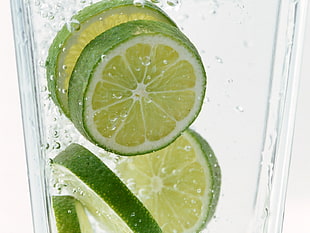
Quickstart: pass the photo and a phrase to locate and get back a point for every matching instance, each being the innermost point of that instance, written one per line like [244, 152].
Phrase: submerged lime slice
[70, 215]
[91, 182]
[180, 184]
[82, 28]
[136, 87]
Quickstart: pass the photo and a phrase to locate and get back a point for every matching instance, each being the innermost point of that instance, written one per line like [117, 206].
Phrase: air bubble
[187, 148]
[73, 25]
[139, 3]
[173, 2]
[239, 108]
[219, 59]
[103, 57]
[148, 100]
[57, 145]
[115, 96]
[69, 211]
[145, 61]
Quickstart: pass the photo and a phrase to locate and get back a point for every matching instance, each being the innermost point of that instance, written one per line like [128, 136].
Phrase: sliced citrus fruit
[136, 87]
[180, 184]
[84, 176]
[70, 215]
[82, 28]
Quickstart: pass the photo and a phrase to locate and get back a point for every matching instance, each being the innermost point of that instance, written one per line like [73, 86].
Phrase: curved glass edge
[30, 109]
[279, 132]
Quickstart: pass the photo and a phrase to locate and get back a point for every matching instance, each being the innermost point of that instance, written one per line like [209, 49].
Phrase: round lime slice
[180, 184]
[82, 28]
[136, 87]
[106, 197]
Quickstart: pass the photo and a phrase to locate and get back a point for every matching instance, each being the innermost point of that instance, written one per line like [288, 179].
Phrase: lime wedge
[70, 215]
[91, 182]
[136, 87]
[180, 184]
[82, 28]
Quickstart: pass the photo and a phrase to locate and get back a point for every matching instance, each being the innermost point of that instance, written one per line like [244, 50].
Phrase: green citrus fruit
[136, 87]
[106, 197]
[84, 27]
[180, 184]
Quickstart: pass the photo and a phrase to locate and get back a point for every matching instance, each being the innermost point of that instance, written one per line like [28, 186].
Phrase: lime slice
[82, 28]
[70, 215]
[136, 87]
[90, 181]
[180, 185]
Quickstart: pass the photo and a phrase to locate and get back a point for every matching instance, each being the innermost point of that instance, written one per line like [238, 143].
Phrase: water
[236, 46]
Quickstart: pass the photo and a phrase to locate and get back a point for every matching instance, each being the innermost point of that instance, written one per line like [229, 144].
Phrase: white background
[15, 214]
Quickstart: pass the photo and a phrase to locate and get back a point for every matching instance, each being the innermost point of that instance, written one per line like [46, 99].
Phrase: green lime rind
[70, 215]
[91, 57]
[215, 175]
[60, 42]
[94, 174]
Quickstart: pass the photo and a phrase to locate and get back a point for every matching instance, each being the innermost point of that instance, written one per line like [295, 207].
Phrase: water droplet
[132, 214]
[198, 190]
[187, 148]
[52, 77]
[73, 25]
[164, 170]
[69, 211]
[64, 67]
[239, 108]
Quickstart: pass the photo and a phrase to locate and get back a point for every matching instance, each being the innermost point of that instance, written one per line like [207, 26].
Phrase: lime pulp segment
[136, 87]
[91, 182]
[179, 184]
[84, 27]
